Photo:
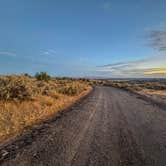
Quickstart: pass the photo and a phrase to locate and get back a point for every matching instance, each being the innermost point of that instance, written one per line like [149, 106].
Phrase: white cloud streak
[6, 53]
[137, 68]
[49, 52]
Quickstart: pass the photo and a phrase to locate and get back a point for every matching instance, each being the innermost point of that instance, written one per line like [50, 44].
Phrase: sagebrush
[25, 100]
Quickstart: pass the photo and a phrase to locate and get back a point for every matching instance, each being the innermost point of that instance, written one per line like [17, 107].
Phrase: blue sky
[111, 38]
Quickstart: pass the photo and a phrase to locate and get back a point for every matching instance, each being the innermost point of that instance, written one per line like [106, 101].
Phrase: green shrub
[42, 76]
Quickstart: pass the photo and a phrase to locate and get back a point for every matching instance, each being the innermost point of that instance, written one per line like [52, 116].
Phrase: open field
[156, 84]
[26, 100]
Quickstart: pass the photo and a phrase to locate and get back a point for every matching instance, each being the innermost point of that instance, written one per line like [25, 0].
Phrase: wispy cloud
[126, 64]
[157, 39]
[6, 53]
[49, 52]
[138, 68]
[150, 66]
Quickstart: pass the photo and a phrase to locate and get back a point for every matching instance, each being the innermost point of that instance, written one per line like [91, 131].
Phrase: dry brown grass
[44, 100]
[137, 85]
[157, 92]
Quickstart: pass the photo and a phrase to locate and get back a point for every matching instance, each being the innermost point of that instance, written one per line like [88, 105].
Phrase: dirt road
[110, 127]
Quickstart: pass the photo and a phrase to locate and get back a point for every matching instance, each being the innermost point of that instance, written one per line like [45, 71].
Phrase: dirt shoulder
[154, 96]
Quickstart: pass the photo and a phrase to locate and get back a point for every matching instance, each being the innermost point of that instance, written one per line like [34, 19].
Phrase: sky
[84, 38]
